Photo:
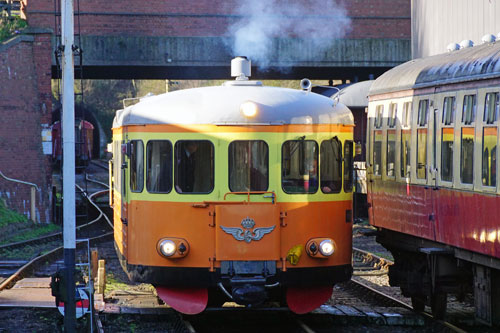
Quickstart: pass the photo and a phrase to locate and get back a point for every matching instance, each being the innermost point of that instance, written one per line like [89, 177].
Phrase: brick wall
[25, 108]
[370, 18]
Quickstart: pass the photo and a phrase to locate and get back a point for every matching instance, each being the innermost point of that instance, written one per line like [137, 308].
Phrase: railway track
[362, 261]
[51, 253]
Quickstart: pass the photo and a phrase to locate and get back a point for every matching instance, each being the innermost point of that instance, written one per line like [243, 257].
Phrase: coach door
[123, 181]
[425, 169]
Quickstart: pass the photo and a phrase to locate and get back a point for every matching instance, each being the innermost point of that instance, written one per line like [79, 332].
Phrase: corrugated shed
[437, 23]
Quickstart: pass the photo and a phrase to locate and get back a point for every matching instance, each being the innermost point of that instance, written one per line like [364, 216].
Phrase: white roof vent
[453, 47]
[489, 38]
[241, 68]
[466, 43]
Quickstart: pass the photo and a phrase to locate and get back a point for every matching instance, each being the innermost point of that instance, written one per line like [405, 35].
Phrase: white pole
[68, 135]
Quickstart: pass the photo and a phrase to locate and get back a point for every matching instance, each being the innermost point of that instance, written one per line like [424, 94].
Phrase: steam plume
[315, 22]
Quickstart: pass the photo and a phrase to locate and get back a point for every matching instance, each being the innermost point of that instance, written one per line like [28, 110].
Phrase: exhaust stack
[241, 68]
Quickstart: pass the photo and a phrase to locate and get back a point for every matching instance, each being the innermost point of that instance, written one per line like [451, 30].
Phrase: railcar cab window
[391, 141]
[159, 166]
[447, 138]
[490, 134]
[377, 141]
[331, 166]
[299, 161]
[423, 111]
[136, 166]
[467, 140]
[248, 166]
[405, 140]
[194, 166]
[348, 167]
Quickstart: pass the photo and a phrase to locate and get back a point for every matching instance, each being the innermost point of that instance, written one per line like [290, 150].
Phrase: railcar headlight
[172, 247]
[326, 247]
[168, 247]
[249, 109]
[320, 247]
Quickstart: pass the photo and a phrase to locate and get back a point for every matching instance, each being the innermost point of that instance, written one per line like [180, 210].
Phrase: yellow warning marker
[294, 254]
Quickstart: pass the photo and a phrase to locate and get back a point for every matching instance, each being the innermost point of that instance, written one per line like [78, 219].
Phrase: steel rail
[407, 306]
[33, 263]
[96, 181]
[58, 235]
[100, 165]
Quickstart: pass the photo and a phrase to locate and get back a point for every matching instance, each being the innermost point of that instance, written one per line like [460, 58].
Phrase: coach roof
[468, 64]
[221, 105]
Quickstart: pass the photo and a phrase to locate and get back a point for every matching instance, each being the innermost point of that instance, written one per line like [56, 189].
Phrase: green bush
[9, 27]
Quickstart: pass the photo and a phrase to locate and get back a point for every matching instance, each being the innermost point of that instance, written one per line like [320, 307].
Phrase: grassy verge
[15, 227]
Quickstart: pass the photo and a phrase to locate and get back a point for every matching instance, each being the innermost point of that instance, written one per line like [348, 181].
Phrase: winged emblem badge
[247, 234]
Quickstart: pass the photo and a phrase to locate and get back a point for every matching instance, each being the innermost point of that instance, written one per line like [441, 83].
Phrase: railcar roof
[355, 95]
[468, 64]
[221, 105]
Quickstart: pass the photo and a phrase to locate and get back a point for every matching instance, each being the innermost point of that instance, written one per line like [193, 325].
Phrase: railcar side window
[248, 166]
[467, 154]
[159, 166]
[377, 153]
[447, 138]
[378, 116]
[469, 109]
[331, 165]
[423, 111]
[406, 118]
[423, 107]
[491, 106]
[391, 153]
[489, 163]
[348, 167]
[194, 166]
[448, 110]
[136, 166]
[299, 166]
[467, 140]
[391, 120]
[405, 140]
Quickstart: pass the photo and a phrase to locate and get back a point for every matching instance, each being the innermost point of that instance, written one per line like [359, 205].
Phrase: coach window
[348, 167]
[299, 166]
[467, 139]
[248, 166]
[447, 138]
[423, 111]
[136, 166]
[331, 165]
[405, 140]
[391, 141]
[159, 166]
[490, 134]
[377, 141]
[194, 166]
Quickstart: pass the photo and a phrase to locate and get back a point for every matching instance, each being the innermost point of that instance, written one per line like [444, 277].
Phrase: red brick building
[25, 113]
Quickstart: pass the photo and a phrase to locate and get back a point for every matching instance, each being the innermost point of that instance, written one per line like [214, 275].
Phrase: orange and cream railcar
[433, 190]
[241, 191]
